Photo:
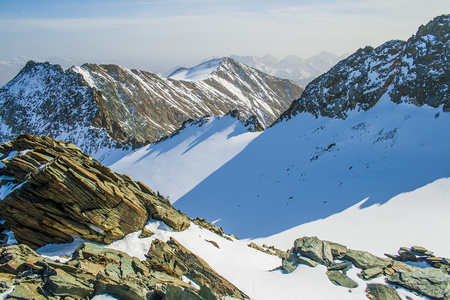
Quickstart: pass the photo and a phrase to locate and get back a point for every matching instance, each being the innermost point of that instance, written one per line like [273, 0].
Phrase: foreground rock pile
[433, 281]
[57, 191]
[94, 270]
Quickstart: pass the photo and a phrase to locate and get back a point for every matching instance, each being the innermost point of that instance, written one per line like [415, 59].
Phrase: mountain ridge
[126, 108]
[413, 71]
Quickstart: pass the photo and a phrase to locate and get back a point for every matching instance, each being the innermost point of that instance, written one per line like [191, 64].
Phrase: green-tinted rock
[381, 292]
[338, 278]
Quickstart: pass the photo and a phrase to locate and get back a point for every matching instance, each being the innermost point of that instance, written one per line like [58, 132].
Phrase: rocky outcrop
[176, 260]
[432, 281]
[92, 270]
[56, 191]
[416, 71]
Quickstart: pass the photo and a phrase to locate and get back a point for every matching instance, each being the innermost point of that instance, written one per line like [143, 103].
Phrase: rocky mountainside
[416, 71]
[292, 67]
[98, 106]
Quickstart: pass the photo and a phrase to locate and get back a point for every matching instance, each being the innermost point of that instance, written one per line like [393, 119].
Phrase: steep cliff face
[416, 71]
[98, 106]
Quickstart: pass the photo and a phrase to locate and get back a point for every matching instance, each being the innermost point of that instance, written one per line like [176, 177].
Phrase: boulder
[377, 291]
[371, 273]
[176, 260]
[339, 278]
[61, 192]
[430, 282]
[365, 260]
[314, 249]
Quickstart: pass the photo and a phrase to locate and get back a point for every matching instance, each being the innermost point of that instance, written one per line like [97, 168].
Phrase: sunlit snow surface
[197, 73]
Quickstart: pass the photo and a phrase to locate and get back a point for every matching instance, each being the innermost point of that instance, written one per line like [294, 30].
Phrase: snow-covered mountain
[416, 71]
[98, 106]
[292, 67]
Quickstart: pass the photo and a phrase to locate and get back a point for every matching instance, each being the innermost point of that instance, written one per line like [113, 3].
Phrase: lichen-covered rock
[60, 192]
[339, 278]
[430, 282]
[176, 260]
[376, 291]
[315, 249]
[365, 260]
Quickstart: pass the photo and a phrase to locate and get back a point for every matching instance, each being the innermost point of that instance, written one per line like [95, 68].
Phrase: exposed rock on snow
[376, 291]
[176, 260]
[339, 278]
[60, 191]
[92, 270]
[431, 282]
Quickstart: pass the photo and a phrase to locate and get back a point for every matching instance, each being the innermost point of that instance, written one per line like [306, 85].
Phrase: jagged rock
[415, 71]
[337, 250]
[290, 263]
[13, 257]
[371, 273]
[315, 249]
[174, 259]
[430, 282]
[146, 233]
[339, 266]
[339, 278]
[210, 226]
[259, 248]
[61, 192]
[92, 270]
[377, 291]
[62, 284]
[365, 260]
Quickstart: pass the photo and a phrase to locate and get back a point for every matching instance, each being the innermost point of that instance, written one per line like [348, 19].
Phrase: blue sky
[163, 34]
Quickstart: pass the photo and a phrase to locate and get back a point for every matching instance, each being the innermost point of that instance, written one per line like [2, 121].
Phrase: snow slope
[303, 169]
[197, 73]
[177, 165]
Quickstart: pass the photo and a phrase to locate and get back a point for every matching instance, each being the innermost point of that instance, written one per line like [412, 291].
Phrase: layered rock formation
[51, 191]
[92, 270]
[416, 71]
[174, 259]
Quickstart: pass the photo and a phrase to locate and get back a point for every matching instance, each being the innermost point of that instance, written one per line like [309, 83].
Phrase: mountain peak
[199, 72]
[414, 71]
[438, 27]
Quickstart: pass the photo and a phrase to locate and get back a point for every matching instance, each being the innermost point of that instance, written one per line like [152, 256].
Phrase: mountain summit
[415, 71]
[98, 106]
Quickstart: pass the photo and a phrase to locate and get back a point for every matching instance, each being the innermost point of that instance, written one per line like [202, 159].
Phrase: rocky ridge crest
[416, 71]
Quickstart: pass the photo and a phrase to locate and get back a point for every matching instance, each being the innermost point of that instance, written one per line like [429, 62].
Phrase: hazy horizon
[161, 35]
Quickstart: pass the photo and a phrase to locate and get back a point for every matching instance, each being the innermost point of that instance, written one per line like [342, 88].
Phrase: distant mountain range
[97, 106]
[292, 67]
